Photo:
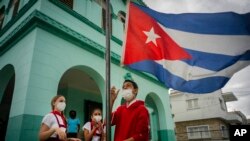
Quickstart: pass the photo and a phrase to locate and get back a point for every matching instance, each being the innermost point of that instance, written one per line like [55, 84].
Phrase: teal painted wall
[23, 128]
[166, 135]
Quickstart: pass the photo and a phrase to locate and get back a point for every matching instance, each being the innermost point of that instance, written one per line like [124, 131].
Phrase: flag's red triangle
[135, 47]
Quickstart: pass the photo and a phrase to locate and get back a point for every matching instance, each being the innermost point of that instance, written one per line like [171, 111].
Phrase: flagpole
[107, 58]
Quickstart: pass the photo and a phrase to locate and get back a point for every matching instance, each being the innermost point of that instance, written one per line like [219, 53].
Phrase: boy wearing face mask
[54, 124]
[94, 130]
[73, 124]
[132, 118]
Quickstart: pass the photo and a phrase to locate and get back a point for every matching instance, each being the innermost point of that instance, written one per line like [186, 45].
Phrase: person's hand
[61, 134]
[129, 139]
[100, 126]
[113, 93]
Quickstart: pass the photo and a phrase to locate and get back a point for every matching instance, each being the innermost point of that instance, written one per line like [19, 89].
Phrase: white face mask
[61, 106]
[97, 118]
[127, 94]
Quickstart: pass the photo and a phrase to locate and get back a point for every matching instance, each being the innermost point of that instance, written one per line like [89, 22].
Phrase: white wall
[208, 107]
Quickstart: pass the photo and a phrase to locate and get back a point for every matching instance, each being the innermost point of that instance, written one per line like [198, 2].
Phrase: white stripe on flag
[176, 67]
[218, 44]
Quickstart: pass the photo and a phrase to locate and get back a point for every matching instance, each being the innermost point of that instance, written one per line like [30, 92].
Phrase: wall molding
[20, 13]
[39, 20]
[85, 20]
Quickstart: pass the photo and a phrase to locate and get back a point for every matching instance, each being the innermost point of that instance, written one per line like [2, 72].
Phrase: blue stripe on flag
[214, 62]
[224, 23]
[199, 86]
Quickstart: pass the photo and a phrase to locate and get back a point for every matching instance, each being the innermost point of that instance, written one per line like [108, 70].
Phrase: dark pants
[72, 135]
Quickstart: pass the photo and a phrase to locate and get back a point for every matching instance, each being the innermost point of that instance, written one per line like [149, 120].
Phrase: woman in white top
[54, 123]
[94, 130]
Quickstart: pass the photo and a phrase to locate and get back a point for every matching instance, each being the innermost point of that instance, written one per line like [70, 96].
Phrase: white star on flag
[152, 36]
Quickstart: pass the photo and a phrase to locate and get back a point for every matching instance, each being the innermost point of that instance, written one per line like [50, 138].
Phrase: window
[16, 6]
[2, 10]
[224, 131]
[102, 3]
[104, 7]
[69, 3]
[13, 7]
[192, 104]
[198, 132]
[221, 104]
[122, 17]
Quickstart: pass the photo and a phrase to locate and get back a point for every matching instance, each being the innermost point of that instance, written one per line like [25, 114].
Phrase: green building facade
[50, 47]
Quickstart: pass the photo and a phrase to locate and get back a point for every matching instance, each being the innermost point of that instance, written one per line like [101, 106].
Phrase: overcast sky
[240, 82]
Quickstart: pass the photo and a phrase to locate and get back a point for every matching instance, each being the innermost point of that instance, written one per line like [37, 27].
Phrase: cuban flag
[189, 52]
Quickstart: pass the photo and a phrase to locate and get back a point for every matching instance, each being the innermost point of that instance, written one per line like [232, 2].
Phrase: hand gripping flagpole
[107, 58]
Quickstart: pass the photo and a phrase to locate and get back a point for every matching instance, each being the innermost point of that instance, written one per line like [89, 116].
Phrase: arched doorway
[82, 87]
[157, 116]
[7, 83]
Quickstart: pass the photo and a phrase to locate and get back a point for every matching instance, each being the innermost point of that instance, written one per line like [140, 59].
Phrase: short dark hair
[72, 111]
[133, 83]
[95, 108]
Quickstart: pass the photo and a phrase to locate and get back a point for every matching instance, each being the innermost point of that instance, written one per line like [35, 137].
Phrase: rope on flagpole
[107, 58]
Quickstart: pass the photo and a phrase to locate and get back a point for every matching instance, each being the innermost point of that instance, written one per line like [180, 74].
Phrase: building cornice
[20, 14]
[39, 20]
[85, 20]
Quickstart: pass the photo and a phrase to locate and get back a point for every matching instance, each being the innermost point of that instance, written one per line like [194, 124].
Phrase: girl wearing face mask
[54, 123]
[94, 130]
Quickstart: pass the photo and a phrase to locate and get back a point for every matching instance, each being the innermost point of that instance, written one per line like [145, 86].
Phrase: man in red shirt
[132, 118]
